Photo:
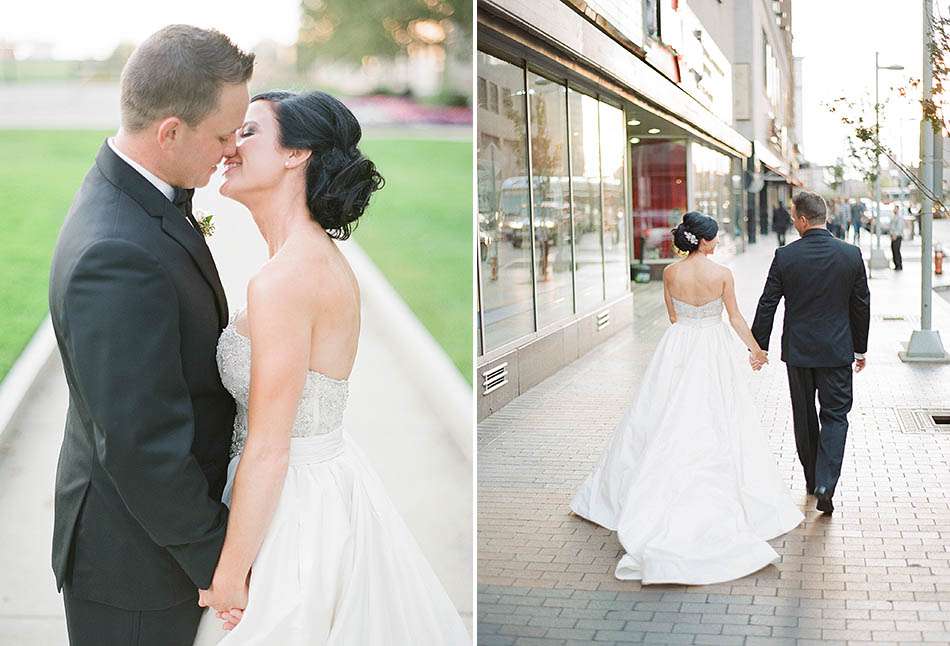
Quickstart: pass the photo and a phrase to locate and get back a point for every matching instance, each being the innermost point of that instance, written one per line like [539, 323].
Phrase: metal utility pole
[878, 260]
[925, 344]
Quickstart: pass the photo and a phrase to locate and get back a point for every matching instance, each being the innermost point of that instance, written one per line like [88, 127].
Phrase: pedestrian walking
[780, 221]
[857, 215]
[897, 237]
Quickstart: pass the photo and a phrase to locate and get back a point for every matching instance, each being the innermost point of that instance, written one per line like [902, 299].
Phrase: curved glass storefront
[552, 216]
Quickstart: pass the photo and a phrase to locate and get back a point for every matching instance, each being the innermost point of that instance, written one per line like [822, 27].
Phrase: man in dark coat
[780, 221]
[137, 307]
[827, 319]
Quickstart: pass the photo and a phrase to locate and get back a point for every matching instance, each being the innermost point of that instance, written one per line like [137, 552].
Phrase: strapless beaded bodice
[710, 310]
[322, 401]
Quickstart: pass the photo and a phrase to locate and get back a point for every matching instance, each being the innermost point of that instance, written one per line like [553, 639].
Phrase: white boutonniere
[205, 222]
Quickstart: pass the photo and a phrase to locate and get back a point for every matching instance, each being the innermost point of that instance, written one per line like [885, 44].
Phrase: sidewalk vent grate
[923, 421]
[494, 378]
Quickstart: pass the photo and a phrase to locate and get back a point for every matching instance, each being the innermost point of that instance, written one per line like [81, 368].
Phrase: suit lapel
[174, 223]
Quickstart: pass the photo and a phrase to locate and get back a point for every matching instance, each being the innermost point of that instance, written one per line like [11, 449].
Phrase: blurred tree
[858, 116]
[111, 67]
[352, 30]
[836, 180]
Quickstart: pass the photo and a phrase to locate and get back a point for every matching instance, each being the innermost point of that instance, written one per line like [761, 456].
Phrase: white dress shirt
[167, 189]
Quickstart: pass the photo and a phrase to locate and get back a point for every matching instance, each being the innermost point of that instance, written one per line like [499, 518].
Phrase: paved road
[425, 472]
[878, 570]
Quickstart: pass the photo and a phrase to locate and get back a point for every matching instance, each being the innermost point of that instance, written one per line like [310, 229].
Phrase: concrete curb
[18, 383]
[444, 389]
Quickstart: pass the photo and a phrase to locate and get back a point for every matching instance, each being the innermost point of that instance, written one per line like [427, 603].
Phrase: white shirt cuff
[859, 356]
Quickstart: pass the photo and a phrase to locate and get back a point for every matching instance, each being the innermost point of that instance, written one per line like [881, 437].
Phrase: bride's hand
[758, 358]
[225, 595]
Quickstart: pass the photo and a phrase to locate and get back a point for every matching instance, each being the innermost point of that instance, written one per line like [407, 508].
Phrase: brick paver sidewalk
[877, 571]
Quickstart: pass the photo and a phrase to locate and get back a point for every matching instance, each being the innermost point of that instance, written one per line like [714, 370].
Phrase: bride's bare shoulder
[317, 277]
[277, 289]
[671, 269]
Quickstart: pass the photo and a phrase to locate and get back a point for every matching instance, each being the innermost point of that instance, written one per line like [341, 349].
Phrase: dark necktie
[182, 201]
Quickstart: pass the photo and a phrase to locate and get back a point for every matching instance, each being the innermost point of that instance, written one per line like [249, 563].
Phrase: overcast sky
[93, 28]
[837, 39]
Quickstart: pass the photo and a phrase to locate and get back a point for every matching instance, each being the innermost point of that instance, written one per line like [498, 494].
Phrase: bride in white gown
[688, 481]
[315, 551]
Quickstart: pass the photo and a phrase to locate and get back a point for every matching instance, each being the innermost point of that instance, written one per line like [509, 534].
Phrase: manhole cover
[923, 421]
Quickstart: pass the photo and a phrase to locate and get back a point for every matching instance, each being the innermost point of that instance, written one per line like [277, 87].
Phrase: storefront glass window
[714, 193]
[613, 143]
[552, 206]
[503, 213]
[585, 179]
[658, 169]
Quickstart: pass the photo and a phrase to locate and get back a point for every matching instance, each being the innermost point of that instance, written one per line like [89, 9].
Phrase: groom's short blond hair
[178, 72]
[810, 206]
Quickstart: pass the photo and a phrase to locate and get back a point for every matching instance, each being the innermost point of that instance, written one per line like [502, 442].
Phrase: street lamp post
[878, 260]
[925, 344]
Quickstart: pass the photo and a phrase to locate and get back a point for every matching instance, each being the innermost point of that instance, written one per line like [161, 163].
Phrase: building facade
[599, 124]
[765, 103]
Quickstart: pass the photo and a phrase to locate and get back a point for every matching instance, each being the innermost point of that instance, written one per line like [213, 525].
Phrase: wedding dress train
[688, 481]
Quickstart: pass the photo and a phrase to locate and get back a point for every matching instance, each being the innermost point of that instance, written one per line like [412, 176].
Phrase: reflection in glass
[613, 147]
[658, 167]
[715, 194]
[507, 311]
[552, 207]
[738, 203]
[585, 179]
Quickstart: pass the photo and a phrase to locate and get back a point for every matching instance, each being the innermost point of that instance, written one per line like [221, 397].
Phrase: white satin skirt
[688, 481]
[338, 566]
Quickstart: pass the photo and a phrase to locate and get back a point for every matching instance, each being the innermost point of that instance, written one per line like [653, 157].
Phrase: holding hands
[758, 358]
[228, 596]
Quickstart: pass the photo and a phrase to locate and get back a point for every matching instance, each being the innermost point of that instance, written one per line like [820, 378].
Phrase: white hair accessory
[690, 237]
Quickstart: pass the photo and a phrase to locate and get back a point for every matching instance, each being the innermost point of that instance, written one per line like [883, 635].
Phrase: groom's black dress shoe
[824, 503]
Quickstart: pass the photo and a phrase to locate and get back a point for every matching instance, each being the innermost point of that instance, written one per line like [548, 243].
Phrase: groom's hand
[231, 619]
[859, 364]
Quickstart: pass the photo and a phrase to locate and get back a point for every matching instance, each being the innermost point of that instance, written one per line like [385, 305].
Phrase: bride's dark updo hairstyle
[694, 227]
[340, 179]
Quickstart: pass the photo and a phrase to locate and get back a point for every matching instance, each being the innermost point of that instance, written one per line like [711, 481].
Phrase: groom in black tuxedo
[827, 318]
[137, 307]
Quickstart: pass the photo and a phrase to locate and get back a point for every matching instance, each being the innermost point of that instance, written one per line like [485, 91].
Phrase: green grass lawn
[417, 230]
[39, 172]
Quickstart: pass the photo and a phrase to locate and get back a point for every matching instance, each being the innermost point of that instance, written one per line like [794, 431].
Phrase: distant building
[599, 123]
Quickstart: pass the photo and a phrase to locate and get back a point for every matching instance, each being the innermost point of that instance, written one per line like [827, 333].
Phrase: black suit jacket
[137, 308]
[827, 302]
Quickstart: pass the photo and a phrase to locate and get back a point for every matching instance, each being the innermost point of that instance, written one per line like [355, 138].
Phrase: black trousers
[820, 436]
[95, 624]
[781, 238]
[896, 253]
